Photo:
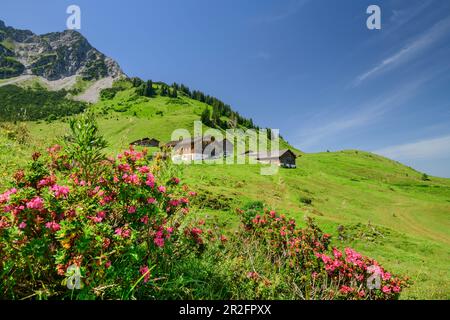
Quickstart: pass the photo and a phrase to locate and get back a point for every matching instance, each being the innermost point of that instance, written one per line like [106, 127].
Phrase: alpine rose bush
[304, 254]
[120, 228]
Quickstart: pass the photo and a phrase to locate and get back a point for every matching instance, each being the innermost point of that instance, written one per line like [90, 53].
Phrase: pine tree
[205, 117]
[149, 92]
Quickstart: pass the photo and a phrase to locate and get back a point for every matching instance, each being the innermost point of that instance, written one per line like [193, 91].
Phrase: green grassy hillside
[380, 207]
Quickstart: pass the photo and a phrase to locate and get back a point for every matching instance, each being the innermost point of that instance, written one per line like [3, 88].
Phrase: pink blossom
[132, 209]
[22, 225]
[60, 191]
[124, 233]
[53, 226]
[144, 169]
[101, 214]
[48, 181]
[6, 196]
[151, 200]
[345, 289]
[145, 271]
[150, 180]
[159, 242]
[175, 180]
[108, 264]
[36, 203]
[124, 167]
[337, 254]
[386, 289]
[386, 276]
[162, 189]
[144, 219]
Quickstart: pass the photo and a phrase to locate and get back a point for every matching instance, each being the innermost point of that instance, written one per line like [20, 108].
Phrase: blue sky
[308, 67]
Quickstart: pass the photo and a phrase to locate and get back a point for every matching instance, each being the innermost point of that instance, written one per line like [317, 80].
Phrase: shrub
[119, 231]
[276, 259]
[305, 200]
[25, 104]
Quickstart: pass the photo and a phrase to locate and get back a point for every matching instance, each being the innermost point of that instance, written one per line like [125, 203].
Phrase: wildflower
[47, 182]
[96, 219]
[223, 239]
[337, 254]
[6, 196]
[151, 200]
[124, 167]
[108, 264]
[132, 209]
[159, 242]
[60, 191]
[144, 169]
[36, 203]
[145, 271]
[144, 219]
[345, 289]
[162, 189]
[61, 269]
[53, 226]
[150, 180]
[22, 225]
[386, 289]
[101, 214]
[126, 233]
[386, 276]
[175, 180]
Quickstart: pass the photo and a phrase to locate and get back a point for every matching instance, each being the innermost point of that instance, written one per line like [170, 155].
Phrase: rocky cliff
[53, 56]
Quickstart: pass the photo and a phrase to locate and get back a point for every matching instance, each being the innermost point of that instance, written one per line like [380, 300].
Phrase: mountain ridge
[52, 56]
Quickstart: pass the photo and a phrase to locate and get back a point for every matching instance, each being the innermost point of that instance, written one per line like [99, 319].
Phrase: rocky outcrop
[53, 56]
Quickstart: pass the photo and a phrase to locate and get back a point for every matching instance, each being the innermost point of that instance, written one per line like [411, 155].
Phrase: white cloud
[423, 149]
[421, 43]
[325, 126]
[403, 16]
